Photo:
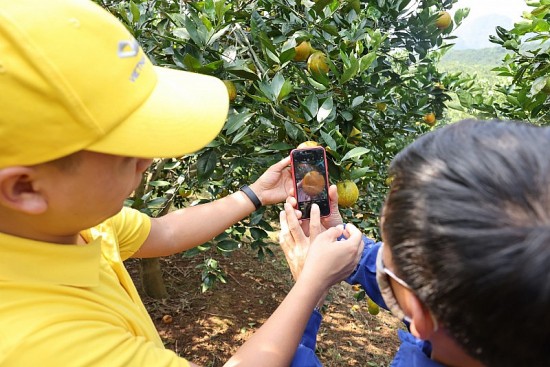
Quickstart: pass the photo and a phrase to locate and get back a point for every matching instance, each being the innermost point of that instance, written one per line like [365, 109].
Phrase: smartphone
[310, 175]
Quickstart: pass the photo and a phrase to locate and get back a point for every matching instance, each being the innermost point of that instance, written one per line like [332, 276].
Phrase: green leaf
[191, 63]
[227, 245]
[311, 105]
[329, 141]
[239, 136]
[350, 72]
[366, 61]
[194, 32]
[291, 130]
[360, 172]
[258, 234]
[357, 101]
[217, 35]
[156, 202]
[325, 110]
[236, 121]
[539, 84]
[159, 183]
[355, 152]
[135, 12]
[280, 146]
[206, 164]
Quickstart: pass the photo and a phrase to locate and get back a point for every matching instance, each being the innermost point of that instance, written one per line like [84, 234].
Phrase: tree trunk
[151, 273]
[151, 278]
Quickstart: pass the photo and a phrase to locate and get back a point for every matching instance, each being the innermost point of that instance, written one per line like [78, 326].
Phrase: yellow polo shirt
[70, 305]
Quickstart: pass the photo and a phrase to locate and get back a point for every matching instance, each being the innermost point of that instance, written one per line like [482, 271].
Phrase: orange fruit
[356, 287]
[429, 118]
[308, 144]
[352, 4]
[348, 193]
[444, 20]
[231, 90]
[354, 132]
[317, 63]
[184, 192]
[167, 319]
[372, 307]
[381, 106]
[313, 183]
[303, 50]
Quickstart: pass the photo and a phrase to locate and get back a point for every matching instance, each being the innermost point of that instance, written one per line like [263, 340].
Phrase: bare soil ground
[207, 328]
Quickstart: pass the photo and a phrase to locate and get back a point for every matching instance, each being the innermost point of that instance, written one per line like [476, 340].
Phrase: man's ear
[18, 193]
[423, 325]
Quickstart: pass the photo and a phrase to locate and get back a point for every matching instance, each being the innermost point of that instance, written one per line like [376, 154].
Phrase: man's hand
[294, 242]
[332, 220]
[275, 184]
[296, 245]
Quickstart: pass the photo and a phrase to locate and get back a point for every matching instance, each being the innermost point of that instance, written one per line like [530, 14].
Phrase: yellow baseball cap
[73, 78]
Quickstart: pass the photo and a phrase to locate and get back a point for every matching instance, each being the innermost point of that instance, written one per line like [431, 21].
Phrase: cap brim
[184, 112]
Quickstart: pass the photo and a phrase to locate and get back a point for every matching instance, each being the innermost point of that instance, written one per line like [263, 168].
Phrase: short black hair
[468, 222]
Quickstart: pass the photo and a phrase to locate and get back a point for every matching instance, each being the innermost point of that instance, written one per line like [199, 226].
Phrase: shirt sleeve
[131, 229]
[365, 273]
[305, 354]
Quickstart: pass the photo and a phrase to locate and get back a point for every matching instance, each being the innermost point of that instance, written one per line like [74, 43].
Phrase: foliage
[472, 70]
[377, 53]
[525, 93]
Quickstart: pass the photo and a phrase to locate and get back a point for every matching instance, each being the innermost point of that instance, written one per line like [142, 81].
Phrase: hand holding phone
[310, 175]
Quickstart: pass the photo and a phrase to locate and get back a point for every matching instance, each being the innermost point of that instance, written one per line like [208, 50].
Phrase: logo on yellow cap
[127, 49]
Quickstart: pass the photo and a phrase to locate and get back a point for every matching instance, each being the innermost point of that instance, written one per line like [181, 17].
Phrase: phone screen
[309, 170]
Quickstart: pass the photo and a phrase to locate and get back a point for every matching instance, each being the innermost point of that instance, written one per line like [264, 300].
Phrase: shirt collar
[25, 260]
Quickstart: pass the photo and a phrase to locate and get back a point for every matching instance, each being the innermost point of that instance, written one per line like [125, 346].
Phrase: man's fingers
[314, 222]
[282, 164]
[293, 223]
[284, 227]
[333, 197]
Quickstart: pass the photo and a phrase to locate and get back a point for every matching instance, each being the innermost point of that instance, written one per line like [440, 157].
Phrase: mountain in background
[486, 57]
[474, 33]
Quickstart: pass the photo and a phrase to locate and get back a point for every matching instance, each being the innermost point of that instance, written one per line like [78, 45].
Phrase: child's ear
[423, 325]
[17, 191]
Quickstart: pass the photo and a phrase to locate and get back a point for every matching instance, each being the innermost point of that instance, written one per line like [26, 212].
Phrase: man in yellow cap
[82, 112]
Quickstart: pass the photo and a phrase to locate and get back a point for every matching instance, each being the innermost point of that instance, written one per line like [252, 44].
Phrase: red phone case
[324, 203]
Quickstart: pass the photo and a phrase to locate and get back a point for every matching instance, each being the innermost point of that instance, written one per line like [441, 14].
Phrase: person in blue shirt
[465, 256]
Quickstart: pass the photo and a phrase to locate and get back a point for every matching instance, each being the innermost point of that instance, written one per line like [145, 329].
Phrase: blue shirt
[412, 352]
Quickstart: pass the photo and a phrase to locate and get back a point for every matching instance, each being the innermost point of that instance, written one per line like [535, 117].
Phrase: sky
[484, 16]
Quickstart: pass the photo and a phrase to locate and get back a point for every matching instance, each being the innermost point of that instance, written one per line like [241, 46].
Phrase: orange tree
[527, 66]
[360, 87]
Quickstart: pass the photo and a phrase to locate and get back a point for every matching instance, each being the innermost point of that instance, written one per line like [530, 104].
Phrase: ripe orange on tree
[313, 183]
[381, 106]
[355, 132]
[308, 144]
[231, 90]
[444, 20]
[348, 193]
[429, 118]
[303, 50]
[317, 63]
[184, 192]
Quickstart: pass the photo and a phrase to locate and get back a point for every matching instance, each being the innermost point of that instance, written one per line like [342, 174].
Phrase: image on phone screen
[309, 169]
